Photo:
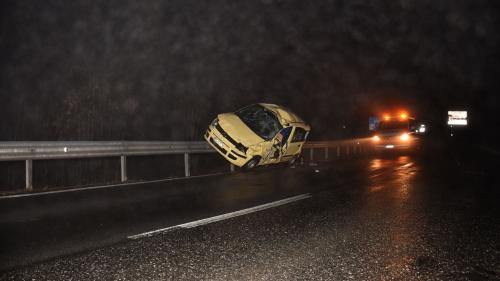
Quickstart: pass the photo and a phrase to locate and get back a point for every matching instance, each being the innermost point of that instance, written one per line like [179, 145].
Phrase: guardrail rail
[31, 151]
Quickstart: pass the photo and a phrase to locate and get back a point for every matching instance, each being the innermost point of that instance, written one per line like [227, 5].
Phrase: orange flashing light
[386, 117]
[403, 116]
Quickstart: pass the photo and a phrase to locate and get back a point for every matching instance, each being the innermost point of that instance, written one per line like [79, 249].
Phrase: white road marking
[224, 216]
[104, 186]
[41, 193]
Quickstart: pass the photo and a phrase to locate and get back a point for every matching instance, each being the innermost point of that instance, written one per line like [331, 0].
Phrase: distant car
[258, 134]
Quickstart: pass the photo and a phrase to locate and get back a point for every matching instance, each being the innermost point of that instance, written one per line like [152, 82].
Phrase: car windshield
[393, 125]
[260, 120]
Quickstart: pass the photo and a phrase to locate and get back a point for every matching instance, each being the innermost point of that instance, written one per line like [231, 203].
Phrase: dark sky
[161, 70]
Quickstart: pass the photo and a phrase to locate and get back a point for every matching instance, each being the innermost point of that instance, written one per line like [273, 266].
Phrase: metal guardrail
[11, 151]
[30, 151]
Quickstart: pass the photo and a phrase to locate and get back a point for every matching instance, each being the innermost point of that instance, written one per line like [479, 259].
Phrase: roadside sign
[458, 118]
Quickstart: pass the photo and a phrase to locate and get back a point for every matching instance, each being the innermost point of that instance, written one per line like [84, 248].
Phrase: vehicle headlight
[376, 138]
[215, 122]
[404, 137]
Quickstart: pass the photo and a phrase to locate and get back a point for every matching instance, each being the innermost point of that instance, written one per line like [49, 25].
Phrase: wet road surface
[383, 218]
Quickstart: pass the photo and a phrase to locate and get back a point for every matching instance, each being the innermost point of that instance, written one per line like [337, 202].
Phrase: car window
[393, 125]
[285, 133]
[299, 135]
[260, 120]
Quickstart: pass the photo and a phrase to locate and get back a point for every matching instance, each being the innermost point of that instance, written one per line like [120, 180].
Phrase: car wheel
[252, 163]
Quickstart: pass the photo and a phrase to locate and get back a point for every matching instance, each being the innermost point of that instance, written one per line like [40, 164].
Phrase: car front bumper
[225, 148]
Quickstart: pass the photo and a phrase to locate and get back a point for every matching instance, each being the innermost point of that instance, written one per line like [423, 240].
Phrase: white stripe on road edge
[13, 196]
[224, 216]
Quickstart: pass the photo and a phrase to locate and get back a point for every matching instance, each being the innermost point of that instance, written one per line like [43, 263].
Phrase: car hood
[236, 129]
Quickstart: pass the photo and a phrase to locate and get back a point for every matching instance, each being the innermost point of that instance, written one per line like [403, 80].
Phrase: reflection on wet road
[395, 183]
[398, 174]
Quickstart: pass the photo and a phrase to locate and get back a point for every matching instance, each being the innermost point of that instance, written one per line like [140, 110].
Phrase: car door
[278, 146]
[295, 144]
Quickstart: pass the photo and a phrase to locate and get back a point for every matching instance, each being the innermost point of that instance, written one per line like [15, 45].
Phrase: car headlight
[404, 137]
[376, 138]
[215, 122]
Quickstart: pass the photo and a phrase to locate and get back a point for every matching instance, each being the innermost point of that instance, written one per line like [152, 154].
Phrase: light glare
[405, 137]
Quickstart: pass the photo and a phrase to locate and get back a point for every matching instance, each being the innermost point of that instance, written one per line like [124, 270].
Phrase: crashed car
[258, 134]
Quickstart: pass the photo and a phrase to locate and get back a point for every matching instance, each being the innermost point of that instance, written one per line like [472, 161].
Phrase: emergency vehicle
[396, 132]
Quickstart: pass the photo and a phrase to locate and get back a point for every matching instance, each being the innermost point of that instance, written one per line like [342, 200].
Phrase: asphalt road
[383, 218]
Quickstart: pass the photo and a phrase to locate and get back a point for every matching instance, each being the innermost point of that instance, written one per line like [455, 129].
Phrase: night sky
[162, 70]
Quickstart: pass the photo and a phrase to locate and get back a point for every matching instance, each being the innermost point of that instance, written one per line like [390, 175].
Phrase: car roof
[286, 116]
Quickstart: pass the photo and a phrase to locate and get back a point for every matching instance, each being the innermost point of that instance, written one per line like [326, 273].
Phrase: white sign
[457, 118]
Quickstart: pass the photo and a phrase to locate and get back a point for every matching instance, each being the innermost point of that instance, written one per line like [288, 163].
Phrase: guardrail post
[29, 175]
[311, 154]
[231, 168]
[186, 165]
[326, 153]
[123, 165]
[338, 151]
